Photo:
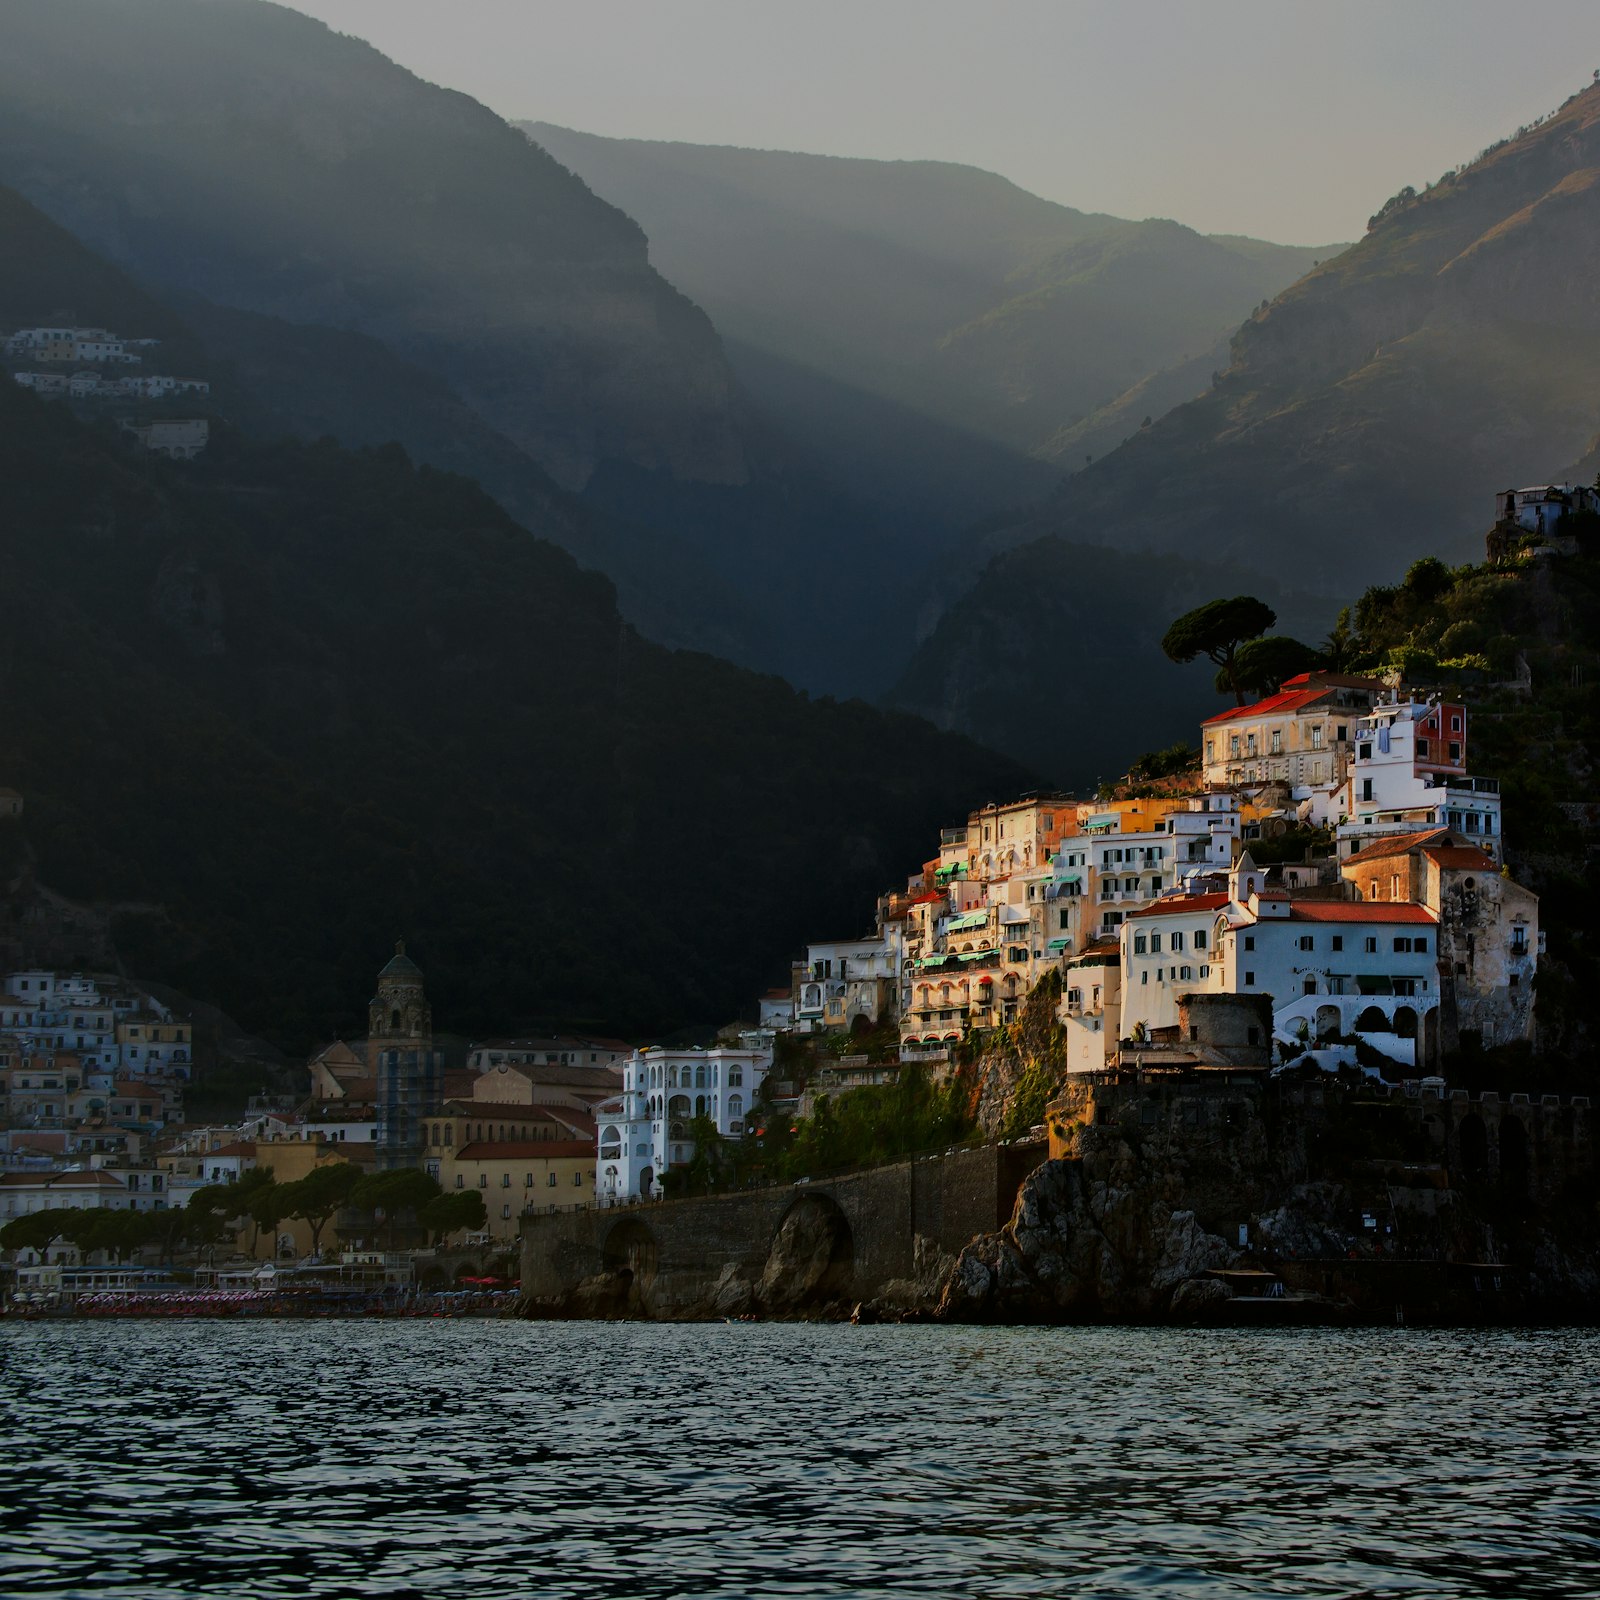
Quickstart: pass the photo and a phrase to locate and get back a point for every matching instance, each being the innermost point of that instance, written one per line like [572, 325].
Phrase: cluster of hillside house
[1337, 865]
[92, 1078]
[96, 359]
[92, 1068]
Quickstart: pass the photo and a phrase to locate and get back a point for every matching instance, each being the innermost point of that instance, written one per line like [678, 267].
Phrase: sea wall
[811, 1248]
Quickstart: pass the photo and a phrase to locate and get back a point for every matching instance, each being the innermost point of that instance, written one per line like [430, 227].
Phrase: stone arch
[1405, 1022]
[1472, 1141]
[1330, 1022]
[811, 1259]
[1372, 1020]
[630, 1247]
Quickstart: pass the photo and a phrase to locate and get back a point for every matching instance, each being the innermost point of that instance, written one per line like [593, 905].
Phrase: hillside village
[97, 358]
[1324, 886]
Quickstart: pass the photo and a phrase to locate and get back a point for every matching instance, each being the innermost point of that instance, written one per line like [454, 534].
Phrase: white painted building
[117, 1188]
[1090, 1010]
[1204, 833]
[1410, 772]
[1542, 507]
[842, 980]
[646, 1131]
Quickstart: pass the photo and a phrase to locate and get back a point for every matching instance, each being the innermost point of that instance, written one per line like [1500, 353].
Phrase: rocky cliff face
[1362, 1208]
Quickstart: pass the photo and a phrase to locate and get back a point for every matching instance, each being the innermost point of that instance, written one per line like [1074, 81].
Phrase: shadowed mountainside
[344, 698]
[242, 152]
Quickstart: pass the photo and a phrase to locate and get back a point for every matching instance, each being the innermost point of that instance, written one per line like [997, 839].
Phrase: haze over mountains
[1367, 418]
[940, 289]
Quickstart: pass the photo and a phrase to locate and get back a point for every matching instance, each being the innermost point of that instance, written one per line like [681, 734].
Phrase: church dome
[400, 966]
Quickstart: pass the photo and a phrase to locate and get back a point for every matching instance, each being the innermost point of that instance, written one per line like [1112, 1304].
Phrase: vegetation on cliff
[304, 699]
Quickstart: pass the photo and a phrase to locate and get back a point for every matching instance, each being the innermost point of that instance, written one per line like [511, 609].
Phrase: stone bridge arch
[630, 1248]
[811, 1258]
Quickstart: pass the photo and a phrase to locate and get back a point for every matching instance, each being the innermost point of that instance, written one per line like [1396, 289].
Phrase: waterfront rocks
[1199, 1299]
[809, 1261]
[1087, 1241]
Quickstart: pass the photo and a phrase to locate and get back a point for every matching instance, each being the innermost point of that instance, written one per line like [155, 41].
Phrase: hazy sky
[1289, 119]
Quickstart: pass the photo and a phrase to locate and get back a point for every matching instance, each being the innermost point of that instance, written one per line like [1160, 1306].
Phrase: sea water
[411, 1458]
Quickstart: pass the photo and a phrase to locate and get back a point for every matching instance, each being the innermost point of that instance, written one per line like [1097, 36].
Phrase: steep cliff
[1365, 1206]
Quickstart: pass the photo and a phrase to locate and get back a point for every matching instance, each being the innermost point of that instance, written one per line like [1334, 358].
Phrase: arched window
[700, 1077]
[735, 1077]
[735, 1105]
[699, 1105]
[678, 1106]
[394, 1020]
[449, 1136]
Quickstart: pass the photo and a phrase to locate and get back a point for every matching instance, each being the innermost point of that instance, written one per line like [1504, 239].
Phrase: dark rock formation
[1357, 1204]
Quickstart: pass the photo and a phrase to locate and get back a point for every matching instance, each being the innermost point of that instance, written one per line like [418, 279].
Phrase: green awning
[1059, 944]
[1373, 985]
[968, 919]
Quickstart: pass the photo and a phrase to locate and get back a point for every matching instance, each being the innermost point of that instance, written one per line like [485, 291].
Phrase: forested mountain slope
[380, 258]
[309, 700]
[240, 151]
[1375, 406]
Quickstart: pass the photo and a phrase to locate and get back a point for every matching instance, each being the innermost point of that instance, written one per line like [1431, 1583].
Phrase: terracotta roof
[1332, 680]
[460, 1106]
[1101, 947]
[240, 1147]
[1400, 844]
[531, 1149]
[1358, 911]
[1464, 856]
[1180, 904]
[1274, 705]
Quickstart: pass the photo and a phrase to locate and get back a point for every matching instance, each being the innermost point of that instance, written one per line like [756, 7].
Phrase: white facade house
[1204, 833]
[1541, 508]
[646, 1131]
[1091, 1006]
[1410, 772]
[842, 980]
[1332, 967]
[117, 1188]
[1166, 951]
[1126, 870]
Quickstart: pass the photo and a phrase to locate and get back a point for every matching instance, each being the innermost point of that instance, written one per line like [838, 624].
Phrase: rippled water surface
[490, 1458]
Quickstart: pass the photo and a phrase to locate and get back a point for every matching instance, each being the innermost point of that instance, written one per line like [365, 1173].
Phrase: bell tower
[399, 1011]
[408, 1070]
